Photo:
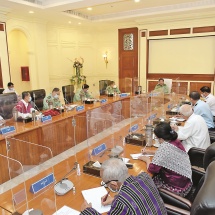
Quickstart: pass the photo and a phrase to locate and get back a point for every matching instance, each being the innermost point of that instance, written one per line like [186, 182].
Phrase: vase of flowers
[78, 79]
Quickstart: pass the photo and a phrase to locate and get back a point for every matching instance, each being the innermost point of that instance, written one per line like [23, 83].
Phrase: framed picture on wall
[25, 73]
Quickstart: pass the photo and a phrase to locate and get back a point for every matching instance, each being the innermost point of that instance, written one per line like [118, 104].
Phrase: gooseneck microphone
[35, 106]
[64, 185]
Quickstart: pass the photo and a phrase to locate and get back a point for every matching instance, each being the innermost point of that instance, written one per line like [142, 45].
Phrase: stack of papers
[135, 156]
[94, 196]
[65, 210]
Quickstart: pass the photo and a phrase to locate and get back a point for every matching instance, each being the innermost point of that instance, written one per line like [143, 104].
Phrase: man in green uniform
[52, 100]
[161, 86]
[82, 93]
[112, 88]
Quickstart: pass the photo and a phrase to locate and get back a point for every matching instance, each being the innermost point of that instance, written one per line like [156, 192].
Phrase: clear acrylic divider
[37, 169]
[13, 193]
[126, 85]
[157, 105]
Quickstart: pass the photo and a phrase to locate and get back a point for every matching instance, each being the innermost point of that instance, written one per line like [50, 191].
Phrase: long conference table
[69, 131]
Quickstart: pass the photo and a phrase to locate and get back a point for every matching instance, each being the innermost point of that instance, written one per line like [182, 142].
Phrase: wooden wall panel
[195, 86]
[1, 27]
[180, 31]
[204, 29]
[158, 33]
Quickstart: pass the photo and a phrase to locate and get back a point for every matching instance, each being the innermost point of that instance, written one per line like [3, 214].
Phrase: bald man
[194, 133]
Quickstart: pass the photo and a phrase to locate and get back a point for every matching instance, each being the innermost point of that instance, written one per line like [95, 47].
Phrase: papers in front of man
[135, 156]
[94, 196]
[65, 210]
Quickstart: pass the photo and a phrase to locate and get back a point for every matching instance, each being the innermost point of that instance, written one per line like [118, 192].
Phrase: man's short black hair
[24, 94]
[10, 84]
[56, 89]
[194, 95]
[85, 86]
[160, 79]
[205, 89]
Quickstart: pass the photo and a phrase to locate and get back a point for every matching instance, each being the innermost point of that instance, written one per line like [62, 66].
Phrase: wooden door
[128, 58]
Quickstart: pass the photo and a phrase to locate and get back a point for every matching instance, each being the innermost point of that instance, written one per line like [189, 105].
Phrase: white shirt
[210, 100]
[9, 91]
[194, 133]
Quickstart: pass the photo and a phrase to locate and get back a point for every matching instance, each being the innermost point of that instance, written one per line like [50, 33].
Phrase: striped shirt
[138, 196]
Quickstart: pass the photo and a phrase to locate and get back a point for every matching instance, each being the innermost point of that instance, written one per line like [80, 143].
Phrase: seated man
[52, 100]
[24, 106]
[82, 93]
[161, 86]
[202, 109]
[136, 195]
[209, 98]
[194, 133]
[10, 89]
[112, 88]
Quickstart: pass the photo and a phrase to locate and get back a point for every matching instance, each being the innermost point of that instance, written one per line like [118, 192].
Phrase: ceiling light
[89, 8]
[79, 23]
[69, 22]
[31, 11]
[136, 0]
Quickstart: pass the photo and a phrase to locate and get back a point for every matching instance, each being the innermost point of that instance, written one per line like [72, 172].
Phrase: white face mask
[11, 89]
[56, 96]
[114, 86]
[29, 99]
[202, 95]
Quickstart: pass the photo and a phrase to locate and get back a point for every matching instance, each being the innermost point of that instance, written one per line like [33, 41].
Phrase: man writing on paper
[136, 195]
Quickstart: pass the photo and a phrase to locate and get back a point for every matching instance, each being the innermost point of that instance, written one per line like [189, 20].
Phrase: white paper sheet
[94, 196]
[135, 156]
[65, 210]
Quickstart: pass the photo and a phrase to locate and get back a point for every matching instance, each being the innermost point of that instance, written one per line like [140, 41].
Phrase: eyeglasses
[106, 184]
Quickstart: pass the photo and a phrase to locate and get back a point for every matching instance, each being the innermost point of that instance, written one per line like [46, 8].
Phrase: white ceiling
[105, 11]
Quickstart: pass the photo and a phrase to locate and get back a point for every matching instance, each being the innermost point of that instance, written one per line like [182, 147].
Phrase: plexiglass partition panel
[126, 85]
[12, 189]
[37, 162]
[157, 104]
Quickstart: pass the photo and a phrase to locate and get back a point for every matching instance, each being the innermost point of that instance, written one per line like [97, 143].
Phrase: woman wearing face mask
[83, 92]
[24, 106]
[52, 100]
[170, 165]
[112, 88]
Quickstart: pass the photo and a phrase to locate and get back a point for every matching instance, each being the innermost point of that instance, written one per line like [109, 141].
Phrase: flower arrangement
[78, 78]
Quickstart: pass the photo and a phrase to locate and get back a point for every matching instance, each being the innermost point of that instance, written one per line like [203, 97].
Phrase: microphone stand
[64, 185]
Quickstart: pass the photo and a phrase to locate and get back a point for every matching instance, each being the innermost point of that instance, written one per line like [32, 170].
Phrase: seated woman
[170, 165]
[82, 92]
[112, 88]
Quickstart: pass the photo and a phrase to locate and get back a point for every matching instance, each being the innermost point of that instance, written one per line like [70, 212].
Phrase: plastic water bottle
[78, 169]
[15, 113]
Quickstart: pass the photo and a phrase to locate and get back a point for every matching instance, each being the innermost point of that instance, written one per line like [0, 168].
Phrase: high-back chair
[204, 202]
[199, 178]
[68, 93]
[168, 82]
[37, 98]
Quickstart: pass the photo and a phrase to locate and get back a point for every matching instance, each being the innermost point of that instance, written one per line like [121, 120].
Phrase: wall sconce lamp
[105, 58]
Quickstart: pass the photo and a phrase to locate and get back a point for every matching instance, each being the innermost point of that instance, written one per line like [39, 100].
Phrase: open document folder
[94, 196]
[65, 210]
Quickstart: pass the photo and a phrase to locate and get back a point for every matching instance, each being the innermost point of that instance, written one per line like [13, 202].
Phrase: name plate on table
[99, 149]
[103, 101]
[46, 118]
[153, 116]
[134, 128]
[80, 108]
[42, 183]
[123, 94]
[7, 129]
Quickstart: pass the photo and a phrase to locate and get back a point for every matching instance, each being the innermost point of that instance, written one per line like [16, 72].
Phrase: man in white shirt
[10, 88]
[194, 133]
[209, 98]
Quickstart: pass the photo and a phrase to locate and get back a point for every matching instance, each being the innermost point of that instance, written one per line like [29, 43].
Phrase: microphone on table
[64, 185]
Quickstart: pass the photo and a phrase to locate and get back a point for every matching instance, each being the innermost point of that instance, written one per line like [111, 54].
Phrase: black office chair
[199, 180]
[68, 93]
[37, 98]
[1, 90]
[103, 85]
[204, 201]
[196, 156]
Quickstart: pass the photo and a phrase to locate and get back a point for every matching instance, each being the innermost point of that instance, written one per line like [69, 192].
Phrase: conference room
[52, 47]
